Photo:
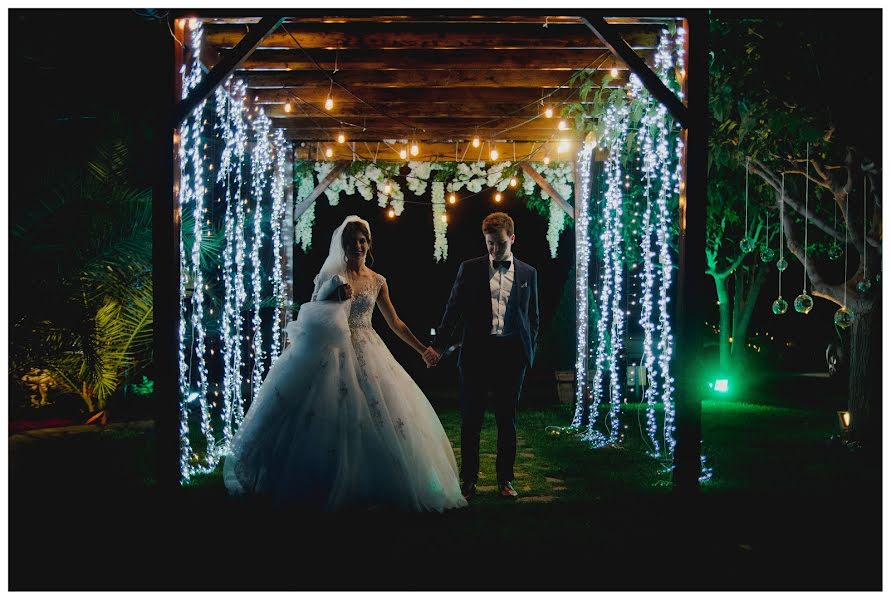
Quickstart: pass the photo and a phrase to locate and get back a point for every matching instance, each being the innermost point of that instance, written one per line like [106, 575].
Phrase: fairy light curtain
[633, 216]
[233, 180]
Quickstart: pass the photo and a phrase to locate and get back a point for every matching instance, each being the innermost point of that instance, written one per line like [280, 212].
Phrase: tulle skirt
[339, 424]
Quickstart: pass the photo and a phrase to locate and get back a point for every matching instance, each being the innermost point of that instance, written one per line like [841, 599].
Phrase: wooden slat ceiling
[440, 80]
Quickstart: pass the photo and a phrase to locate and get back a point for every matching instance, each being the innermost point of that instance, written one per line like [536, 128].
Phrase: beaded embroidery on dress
[338, 423]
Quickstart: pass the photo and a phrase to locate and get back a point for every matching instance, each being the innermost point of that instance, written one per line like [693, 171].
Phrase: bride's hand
[344, 292]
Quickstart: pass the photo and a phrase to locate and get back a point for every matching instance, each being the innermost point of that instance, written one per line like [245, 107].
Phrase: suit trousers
[497, 367]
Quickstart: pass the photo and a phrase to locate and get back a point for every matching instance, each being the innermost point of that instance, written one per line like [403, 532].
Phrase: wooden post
[287, 257]
[691, 268]
[165, 267]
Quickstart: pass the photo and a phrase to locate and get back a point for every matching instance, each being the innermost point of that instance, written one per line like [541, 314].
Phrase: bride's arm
[395, 323]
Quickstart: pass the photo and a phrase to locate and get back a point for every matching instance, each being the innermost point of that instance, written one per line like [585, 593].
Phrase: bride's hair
[349, 232]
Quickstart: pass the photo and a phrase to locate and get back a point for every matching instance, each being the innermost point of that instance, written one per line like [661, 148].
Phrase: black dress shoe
[468, 491]
[506, 490]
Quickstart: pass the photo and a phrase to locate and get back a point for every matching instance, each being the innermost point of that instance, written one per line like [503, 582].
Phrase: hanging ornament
[804, 303]
[865, 284]
[835, 251]
[843, 317]
[747, 244]
[766, 250]
[780, 306]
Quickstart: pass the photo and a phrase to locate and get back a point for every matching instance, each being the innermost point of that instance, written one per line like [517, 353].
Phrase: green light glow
[722, 385]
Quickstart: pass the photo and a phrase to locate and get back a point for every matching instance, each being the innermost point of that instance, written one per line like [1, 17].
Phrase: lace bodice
[363, 301]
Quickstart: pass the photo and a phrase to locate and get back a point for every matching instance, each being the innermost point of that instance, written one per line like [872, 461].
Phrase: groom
[495, 301]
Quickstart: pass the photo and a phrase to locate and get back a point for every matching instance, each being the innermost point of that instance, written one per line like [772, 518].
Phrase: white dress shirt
[501, 281]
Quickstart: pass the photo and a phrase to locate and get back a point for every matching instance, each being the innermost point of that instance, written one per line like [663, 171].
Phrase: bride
[338, 423]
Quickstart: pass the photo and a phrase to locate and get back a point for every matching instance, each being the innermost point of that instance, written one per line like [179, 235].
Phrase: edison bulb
[341, 138]
[403, 154]
[444, 219]
[493, 154]
[547, 160]
[391, 213]
[614, 72]
[562, 125]
[476, 142]
[452, 198]
[329, 103]
[287, 107]
[415, 149]
[513, 182]
[498, 197]
[549, 112]
[329, 152]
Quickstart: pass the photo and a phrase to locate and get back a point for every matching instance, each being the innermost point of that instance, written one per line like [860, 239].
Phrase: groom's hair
[498, 221]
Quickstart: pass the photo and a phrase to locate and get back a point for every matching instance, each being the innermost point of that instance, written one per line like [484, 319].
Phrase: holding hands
[431, 356]
[344, 292]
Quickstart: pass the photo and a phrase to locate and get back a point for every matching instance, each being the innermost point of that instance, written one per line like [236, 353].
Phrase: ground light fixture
[721, 385]
[844, 420]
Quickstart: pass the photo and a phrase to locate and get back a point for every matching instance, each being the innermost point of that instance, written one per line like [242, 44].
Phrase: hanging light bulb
[329, 152]
[562, 126]
[498, 197]
[549, 112]
[403, 154]
[494, 154]
[513, 182]
[341, 138]
[547, 160]
[614, 72]
[414, 149]
[387, 188]
[444, 219]
[563, 146]
[288, 106]
[452, 199]
[476, 142]
[391, 213]
[329, 103]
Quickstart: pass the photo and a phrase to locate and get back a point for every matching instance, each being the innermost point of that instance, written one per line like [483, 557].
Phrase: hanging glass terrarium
[782, 264]
[843, 317]
[747, 244]
[766, 254]
[803, 303]
[835, 251]
[780, 306]
[864, 285]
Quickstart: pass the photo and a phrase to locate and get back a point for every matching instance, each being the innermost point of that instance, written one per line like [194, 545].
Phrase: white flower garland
[440, 243]
[371, 180]
[303, 226]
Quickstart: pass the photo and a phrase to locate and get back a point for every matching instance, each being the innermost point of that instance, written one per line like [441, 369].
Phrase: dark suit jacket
[470, 309]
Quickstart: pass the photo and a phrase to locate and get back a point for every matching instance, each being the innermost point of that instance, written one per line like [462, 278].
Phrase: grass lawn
[773, 516]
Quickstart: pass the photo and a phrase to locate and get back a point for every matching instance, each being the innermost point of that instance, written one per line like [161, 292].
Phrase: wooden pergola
[438, 78]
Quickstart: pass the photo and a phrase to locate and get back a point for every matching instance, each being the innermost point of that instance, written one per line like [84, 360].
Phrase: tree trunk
[745, 311]
[724, 327]
[865, 379]
[739, 340]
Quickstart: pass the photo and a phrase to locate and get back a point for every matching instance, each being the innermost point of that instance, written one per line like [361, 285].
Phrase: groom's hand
[431, 356]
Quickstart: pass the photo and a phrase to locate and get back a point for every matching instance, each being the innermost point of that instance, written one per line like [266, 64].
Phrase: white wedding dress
[339, 424]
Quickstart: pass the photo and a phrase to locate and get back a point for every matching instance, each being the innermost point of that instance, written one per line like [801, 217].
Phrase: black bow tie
[496, 264]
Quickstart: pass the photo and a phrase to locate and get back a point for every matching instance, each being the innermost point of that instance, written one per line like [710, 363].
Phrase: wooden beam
[225, 67]
[339, 168]
[480, 36]
[444, 151]
[355, 111]
[611, 36]
[414, 95]
[418, 78]
[402, 60]
[541, 181]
